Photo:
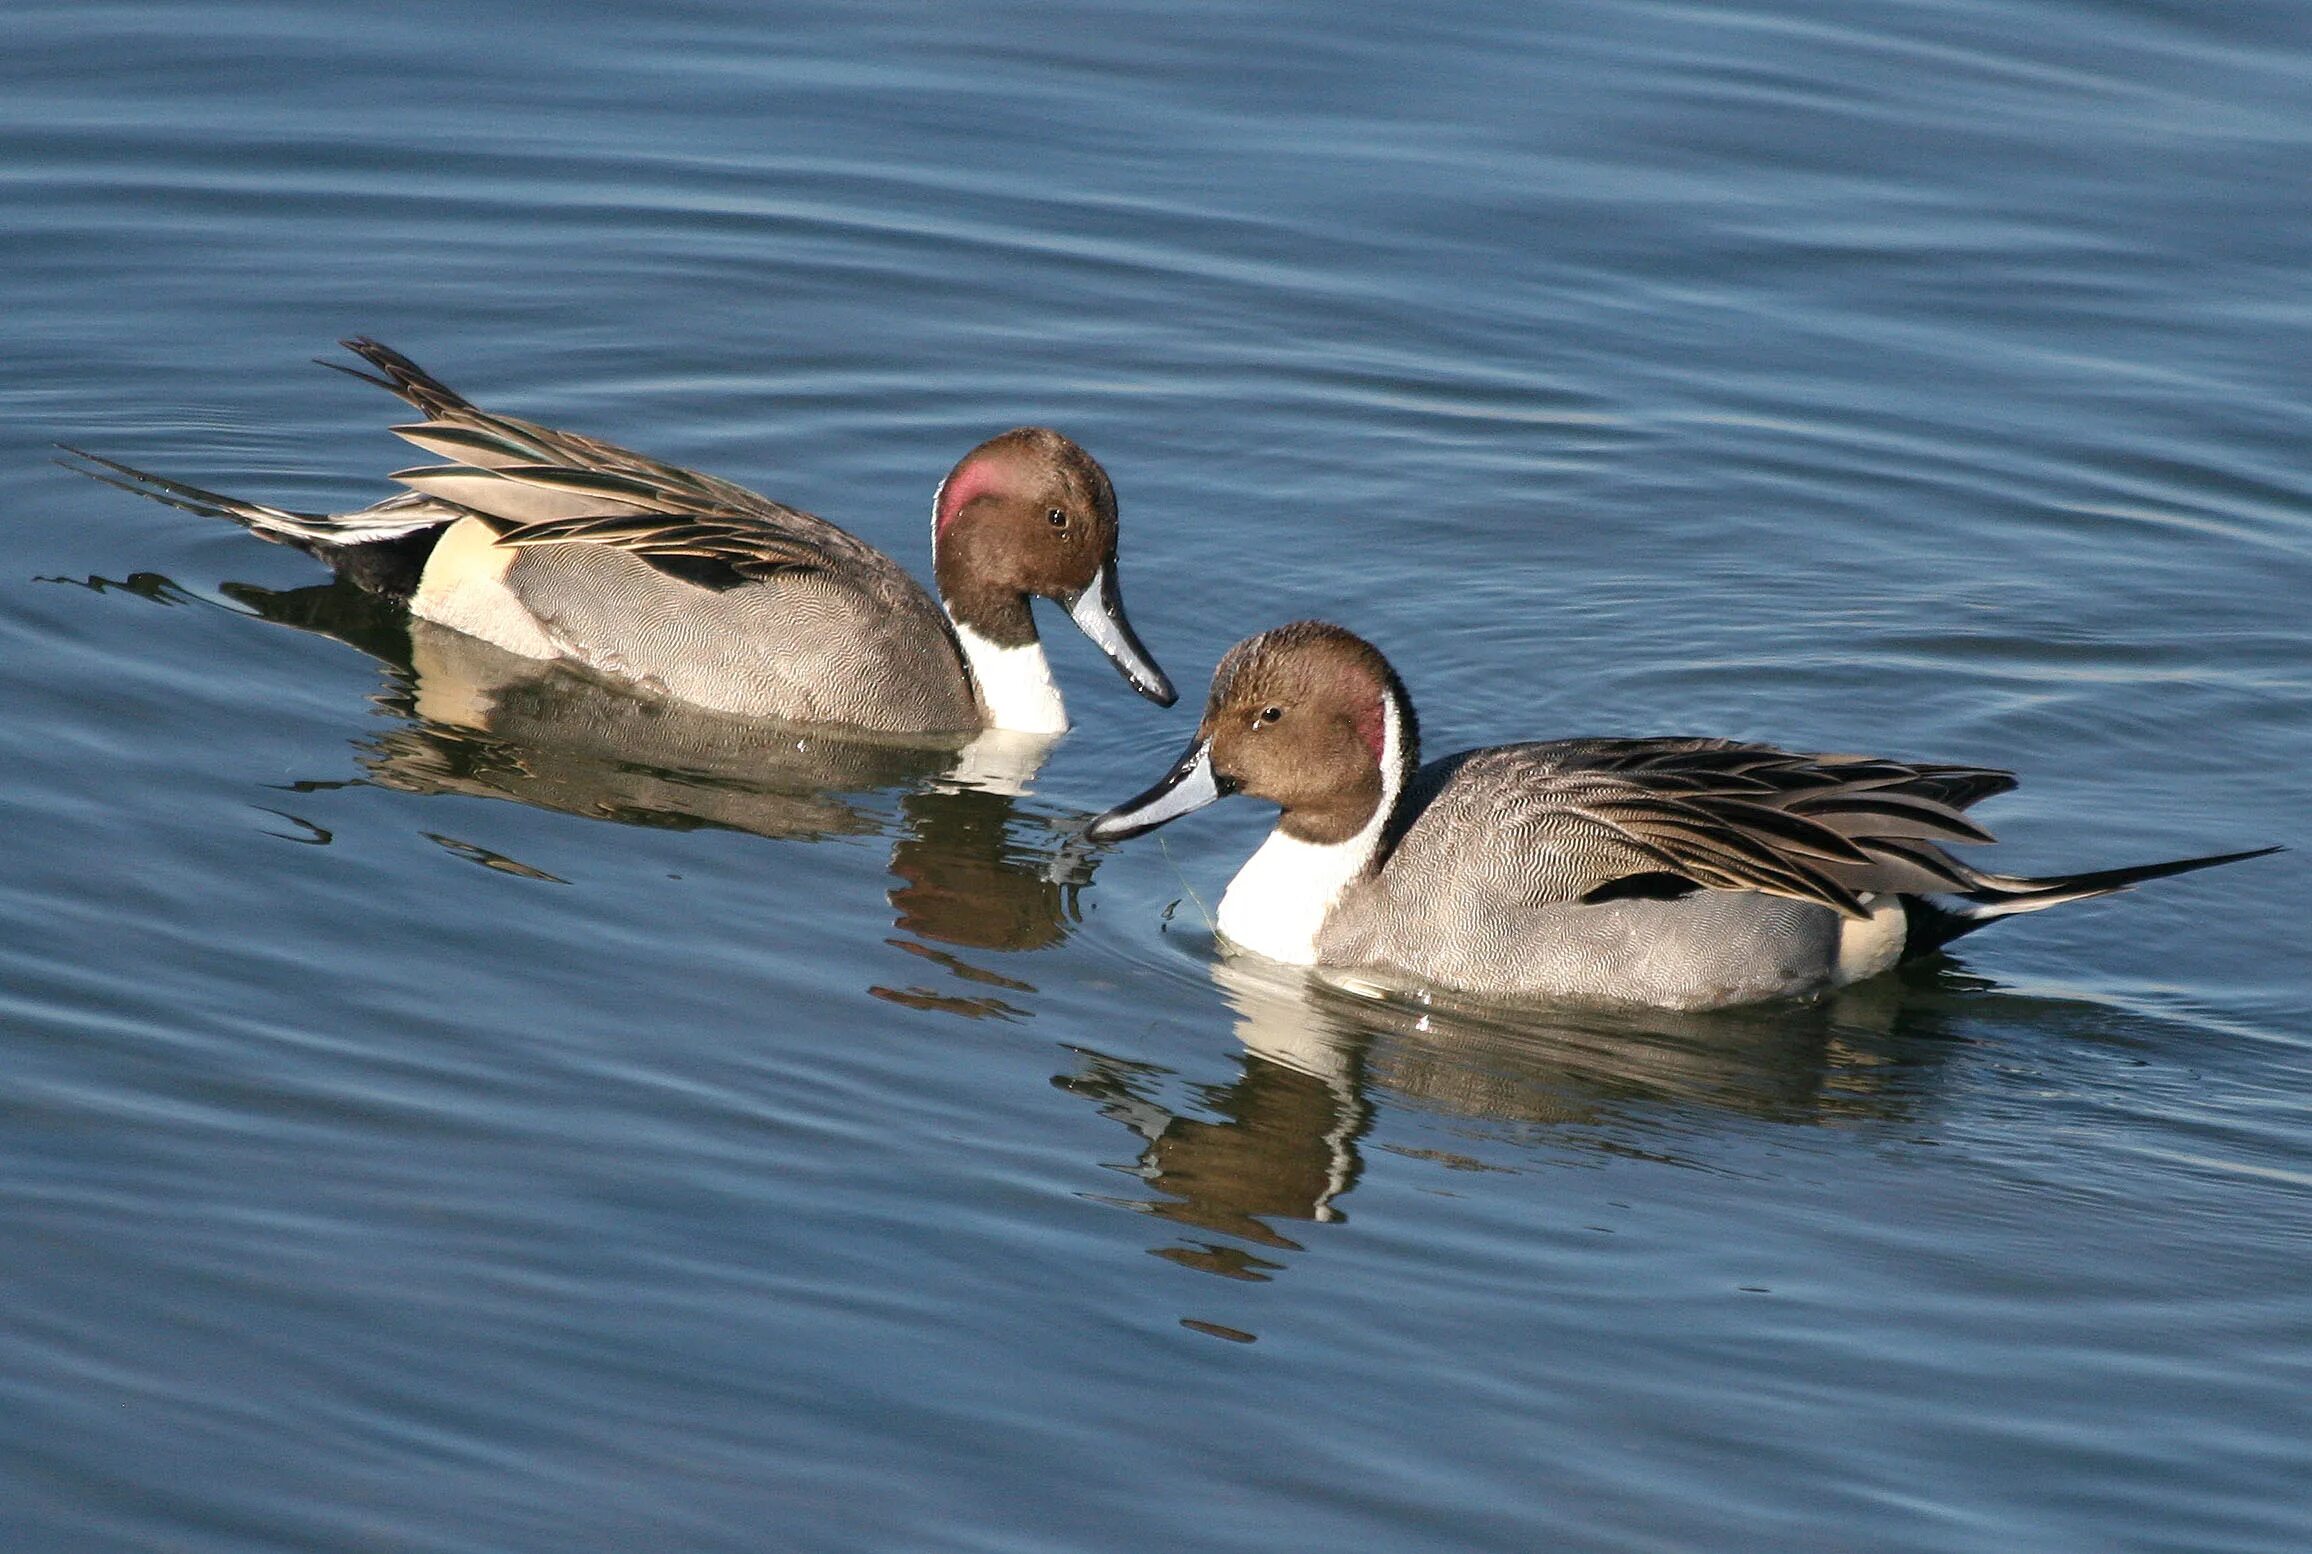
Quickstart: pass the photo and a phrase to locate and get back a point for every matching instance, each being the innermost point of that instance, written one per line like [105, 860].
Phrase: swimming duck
[1684, 873]
[553, 545]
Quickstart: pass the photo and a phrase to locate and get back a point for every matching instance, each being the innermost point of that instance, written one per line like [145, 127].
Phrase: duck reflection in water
[1284, 1140]
[973, 866]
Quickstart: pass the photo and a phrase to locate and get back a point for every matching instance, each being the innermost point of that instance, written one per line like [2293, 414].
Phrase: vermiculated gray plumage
[1499, 878]
[678, 581]
[1684, 873]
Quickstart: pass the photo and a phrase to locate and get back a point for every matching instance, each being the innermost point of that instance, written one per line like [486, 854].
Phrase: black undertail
[388, 565]
[389, 568]
[1934, 921]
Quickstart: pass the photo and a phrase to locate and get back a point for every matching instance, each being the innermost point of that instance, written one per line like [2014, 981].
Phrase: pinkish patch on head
[1373, 723]
[975, 479]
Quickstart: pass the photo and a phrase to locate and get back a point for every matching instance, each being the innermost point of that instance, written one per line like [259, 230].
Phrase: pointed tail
[402, 378]
[1935, 921]
[315, 533]
[273, 523]
[382, 548]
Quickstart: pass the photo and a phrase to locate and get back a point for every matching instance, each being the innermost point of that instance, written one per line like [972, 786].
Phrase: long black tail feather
[1935, 921]
[382, 549]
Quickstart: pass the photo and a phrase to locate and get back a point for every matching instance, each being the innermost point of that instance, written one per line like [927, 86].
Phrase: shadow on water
[975, 869]
[1284, 1139]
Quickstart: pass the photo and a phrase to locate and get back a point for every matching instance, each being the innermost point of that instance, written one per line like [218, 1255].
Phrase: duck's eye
[1271, 714]
[1056, 519]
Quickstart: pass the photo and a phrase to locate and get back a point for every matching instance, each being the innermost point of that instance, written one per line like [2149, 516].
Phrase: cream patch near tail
[464, 588]
[1868, 946]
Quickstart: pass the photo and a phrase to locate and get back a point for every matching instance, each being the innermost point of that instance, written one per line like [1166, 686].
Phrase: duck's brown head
[1309, 717]
[1031, 515]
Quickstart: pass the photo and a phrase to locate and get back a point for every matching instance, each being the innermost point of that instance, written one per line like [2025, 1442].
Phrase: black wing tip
[1644, 885]
[403, 378]
[377, 353]
[355, 372]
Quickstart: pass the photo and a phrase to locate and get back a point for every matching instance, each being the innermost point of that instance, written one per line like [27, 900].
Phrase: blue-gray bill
[1188, 787]
[1098, 612]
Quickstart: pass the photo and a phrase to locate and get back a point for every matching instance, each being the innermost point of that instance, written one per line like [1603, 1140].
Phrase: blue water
[592, 1130]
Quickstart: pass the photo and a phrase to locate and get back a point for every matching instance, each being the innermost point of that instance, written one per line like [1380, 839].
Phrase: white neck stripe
[1014, 683]
[1278, 902]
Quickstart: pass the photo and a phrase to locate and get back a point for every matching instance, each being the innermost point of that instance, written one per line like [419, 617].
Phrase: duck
[1681, 873]
[554, 545]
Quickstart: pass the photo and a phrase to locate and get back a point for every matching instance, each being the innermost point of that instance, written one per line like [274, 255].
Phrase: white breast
[1279, 899]
[1015, 684]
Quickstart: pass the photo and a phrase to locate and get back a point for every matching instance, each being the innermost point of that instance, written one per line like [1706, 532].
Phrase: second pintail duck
[558, 546]
[1684, 873]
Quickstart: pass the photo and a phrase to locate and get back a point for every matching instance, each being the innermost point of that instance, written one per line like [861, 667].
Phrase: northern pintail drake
[1684, 873]
[558, 546]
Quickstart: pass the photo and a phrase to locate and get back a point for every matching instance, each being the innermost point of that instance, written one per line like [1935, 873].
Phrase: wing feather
[1726, 815]
[541, 486]
[746, 547]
